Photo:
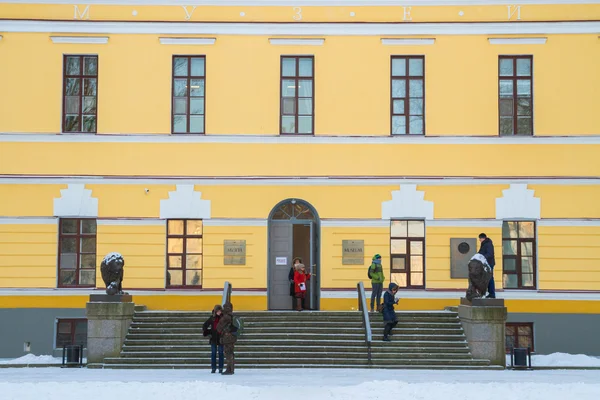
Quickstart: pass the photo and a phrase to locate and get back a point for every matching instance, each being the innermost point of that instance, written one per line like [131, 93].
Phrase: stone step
[314, 331]
[331, 349]
[312, 314]
[306, 342]
[280, 366]
[205, 355]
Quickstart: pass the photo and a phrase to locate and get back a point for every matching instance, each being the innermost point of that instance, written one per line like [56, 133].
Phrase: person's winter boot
[213, 371]
[228, 371]
[298, 304]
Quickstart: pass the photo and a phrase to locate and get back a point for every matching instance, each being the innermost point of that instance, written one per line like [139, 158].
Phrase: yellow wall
[351, 97]
[28, 256]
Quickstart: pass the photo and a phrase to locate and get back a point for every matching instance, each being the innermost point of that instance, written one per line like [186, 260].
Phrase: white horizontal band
[131, 222]
[518, 40]
[297, 42]
[569, 222]
[187, 41]
[475, 223]
[407, 42]
[80, 39]
[28, 221]
[355, 223]
[304, 3]
[234, 222]
[302, 29]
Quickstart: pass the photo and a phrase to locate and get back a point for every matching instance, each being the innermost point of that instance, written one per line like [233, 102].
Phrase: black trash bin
[72, 356]
[520, 358]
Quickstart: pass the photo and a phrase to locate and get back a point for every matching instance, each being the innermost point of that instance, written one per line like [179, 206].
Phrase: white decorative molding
[131, 222]
[296, 42]
[304, 29]
[79, 39]
[465, 223]
[28, 220]
[569, 222]
[76, 201]
[518, 202]
[408, 202]
[184, 202]
[407, 42]
[235, 222]
[187, 41]
[355, 223]
[517, 40]
[302, 3]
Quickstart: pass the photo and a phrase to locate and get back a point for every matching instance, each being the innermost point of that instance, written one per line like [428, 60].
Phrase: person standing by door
[377, 279]
[487, 250]
[225, 328]
[300, 279]
[210, 329]
[295, 261]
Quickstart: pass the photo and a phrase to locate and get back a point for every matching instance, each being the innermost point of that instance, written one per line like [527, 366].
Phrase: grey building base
[111, 298]
[107, 327]
[484, 329]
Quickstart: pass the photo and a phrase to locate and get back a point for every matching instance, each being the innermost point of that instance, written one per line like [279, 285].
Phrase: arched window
[293, 209]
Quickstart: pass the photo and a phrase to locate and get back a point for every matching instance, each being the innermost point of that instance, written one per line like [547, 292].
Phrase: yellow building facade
[214, 141]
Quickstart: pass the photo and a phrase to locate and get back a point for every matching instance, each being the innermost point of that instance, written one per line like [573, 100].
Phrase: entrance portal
[293, 232]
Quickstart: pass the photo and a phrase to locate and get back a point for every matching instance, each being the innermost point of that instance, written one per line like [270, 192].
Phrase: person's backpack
[369, 273]
[237, 326]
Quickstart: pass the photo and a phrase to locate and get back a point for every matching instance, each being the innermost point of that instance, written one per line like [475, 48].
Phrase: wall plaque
[353, 252]
[235, 252]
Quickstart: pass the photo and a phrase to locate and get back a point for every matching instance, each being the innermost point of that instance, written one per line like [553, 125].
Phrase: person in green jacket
[377, 279]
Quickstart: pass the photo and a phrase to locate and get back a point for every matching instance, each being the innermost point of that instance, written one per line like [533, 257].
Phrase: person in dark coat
[210, 329]
[487, 250]
[295, 261]
[226, 330]
[390, 319]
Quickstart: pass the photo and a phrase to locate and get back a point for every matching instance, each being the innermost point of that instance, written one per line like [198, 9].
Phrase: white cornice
[407, 42]
[302, 29]
[235, 222]
[131, 222]
[305, 3]
[79, 39]
[28, 221]
[296, 42]
[187, 41]
[517, 40]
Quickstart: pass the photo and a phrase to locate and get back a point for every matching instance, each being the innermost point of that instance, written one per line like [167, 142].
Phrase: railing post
[226, 293]
[362, 305]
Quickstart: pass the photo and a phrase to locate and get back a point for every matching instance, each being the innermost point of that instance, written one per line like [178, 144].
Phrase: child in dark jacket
[210, 329]
[389, 315]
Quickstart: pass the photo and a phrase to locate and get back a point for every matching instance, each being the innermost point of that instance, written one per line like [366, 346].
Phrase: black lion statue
[112, 273]
[480, 274]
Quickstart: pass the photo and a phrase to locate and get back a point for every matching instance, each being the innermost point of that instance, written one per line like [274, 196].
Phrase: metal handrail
[362, 306]
[226, 293]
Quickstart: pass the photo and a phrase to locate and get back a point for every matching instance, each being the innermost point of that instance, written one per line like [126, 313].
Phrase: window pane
[399, 228]
[524, 87]
[88, 226]
[304, 124]
[180, 87]
[524, 330]
[525, 341]
[193, 278]
[90, 86]
[68, 226]
[509, 264]
[288, 66]
[64, 327]
[289, 106]
[81, 333]
[175, 261]
[398, 67]
[510, 330]
[88, 245]
[416, 228]
[89, 105]
[72, 123]
[526, 230]
[67, 277]
[416, 263]
[193, 261]
[527, 265]
[87, 276]
[399, 278]
[398, 125]
[416, 248]
[415, 67]
[506, 67]
[68, 261]
[72, 104]
[196, 124]
[175, 245]
[180, 106]
[305, 106]
[196, 87]
[527, 280]
[304, 88]
[506, 126]
[416, 106]
[288, 88]
[523, 67]
[398, 88]
[398, 246]
[306, 67]
[523, 106]
[510, 281]
[68, 245]
[73, 87]
[90, 65]
[73, 66]
[181, 66]
[197, 66]
[194, 227]
[524, 126]
[506, 107]
[87, 261]
[509, 247]
[506, 88]
[509, 229]
[194, 245]
[416, 126]
[288, 124]
[416, 279]
[526, 248]
[416, 88]
[510, 340]
[175, 227]
[179, 124]
[398, 264]
[197, 106]
[176, 277]
[399, 107]
[89, 123]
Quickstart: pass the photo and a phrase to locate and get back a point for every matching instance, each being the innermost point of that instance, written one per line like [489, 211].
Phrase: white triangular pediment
[518, 202]
[76, 201]
[408, 202]
[185, 203]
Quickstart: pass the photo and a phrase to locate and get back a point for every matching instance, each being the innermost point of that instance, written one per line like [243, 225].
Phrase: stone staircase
[172, 339]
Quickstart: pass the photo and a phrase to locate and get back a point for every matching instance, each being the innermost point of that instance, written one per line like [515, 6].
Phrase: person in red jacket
[300, 278]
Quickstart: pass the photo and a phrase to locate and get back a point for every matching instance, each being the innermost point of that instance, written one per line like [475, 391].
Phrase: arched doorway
[294, 231]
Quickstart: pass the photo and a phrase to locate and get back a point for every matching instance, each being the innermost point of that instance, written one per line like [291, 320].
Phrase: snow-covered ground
[562, 360]
[331, 384]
